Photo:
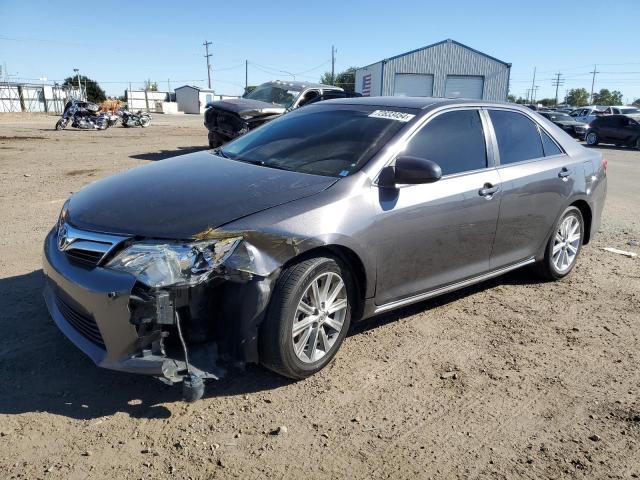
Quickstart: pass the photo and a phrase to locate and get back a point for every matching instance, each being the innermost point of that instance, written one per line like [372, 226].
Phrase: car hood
[247, 108]
[185, 195]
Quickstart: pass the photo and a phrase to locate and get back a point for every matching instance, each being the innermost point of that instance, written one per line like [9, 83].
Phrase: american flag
[366, 85]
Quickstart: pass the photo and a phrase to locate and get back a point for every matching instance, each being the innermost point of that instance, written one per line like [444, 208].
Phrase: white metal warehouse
[445, 69]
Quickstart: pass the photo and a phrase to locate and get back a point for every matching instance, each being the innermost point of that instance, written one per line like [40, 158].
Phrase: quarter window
[550, 147]
[518, 137]
[454, 140]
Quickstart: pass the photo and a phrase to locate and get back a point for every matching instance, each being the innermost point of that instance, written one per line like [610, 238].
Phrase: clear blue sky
[116, 41]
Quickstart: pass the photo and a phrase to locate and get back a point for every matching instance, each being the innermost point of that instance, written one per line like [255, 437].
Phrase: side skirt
[450, 288]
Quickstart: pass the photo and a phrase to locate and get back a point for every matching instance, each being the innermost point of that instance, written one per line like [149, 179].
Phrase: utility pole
[246, 75]
[593, 82]
[535, 93]
[533, 83]
[333, 65]
[556, 83]
[79, 87]
[207, 56]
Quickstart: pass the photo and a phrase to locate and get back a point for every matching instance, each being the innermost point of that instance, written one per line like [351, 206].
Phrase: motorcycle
[135, 119]
[85, 116]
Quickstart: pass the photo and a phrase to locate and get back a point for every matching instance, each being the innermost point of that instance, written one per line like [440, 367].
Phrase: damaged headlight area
[174, 264]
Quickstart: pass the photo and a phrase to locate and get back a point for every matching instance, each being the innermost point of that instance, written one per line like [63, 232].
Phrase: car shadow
[163, 154]
[43, 372]
[521, 276]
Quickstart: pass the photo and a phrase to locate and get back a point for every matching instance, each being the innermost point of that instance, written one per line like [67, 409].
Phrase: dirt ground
[546, 380]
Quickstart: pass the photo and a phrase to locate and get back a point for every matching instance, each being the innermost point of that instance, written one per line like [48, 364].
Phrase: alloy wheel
[319, 317]
[566, 243]
[592, 139]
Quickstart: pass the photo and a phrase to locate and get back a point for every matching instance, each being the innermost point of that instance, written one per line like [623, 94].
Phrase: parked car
[619, 130]
[228, 119]
[272, 245]
[564, 121]
[586, 114]
[632, 112]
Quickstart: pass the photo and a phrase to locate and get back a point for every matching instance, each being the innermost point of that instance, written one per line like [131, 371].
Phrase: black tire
[61, 124]
[276, 346]
[592, 139]
[145, 121]
[546, 267]
[638, 143]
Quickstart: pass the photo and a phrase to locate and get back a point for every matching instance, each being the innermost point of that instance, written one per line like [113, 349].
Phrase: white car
[586, 114]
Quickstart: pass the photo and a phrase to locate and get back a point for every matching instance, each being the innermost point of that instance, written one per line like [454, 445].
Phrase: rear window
[518, 137]
[330, 140]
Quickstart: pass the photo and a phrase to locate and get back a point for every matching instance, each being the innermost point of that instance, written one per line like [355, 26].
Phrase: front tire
[61, 124]
[145, 121]
[563, 246]
[592, 139]
[308, 317]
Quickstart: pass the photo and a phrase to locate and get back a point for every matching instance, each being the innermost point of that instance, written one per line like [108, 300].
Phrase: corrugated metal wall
[449, 58]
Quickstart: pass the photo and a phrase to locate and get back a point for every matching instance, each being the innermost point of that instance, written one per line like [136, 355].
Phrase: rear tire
[592, 139]
[301, 334]
[638, 143]
[563, 246]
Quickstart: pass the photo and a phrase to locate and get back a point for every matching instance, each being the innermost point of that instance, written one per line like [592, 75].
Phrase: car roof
[421, 103]
[300, 85]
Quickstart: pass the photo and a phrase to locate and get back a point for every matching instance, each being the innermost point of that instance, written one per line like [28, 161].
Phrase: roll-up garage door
[464, 86]
[413, 85]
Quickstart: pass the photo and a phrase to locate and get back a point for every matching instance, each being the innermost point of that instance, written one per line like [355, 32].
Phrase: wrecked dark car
[266, 250]
[228, 119]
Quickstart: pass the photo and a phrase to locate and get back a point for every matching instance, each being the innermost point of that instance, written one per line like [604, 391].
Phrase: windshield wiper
[261, 163]
[218, 151]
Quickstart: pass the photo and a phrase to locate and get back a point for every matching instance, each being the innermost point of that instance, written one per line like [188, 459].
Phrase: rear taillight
[605, 164]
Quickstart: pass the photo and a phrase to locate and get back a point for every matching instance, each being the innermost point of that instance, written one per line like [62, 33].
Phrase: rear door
[537, 178]
[434, 234]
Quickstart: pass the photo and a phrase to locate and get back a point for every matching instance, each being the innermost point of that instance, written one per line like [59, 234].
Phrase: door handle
[488, 190]
[564, 173]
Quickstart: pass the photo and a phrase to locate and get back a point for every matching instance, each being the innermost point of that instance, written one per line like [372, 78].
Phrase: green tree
[150, 86]
[577, 97]
[249, 88]
[637, 102]
[547, 102]
[605, 97]
[95, 94]
[345, 80]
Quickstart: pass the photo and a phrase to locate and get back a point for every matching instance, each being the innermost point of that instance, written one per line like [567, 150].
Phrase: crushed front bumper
[91, 307]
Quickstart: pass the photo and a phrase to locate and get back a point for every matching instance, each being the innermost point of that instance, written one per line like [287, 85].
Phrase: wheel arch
[351, 259]
[587, 216]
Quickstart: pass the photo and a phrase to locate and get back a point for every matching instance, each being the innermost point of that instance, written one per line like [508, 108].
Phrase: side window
[309, 97]
[329, 94]
[454, 140]
[518, 137]
[550, 147]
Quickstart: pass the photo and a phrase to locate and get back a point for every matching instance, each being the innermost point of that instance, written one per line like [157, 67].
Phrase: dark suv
[617, 129]
[228, 119]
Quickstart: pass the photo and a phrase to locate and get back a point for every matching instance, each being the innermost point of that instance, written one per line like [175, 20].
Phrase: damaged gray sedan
[269, 247]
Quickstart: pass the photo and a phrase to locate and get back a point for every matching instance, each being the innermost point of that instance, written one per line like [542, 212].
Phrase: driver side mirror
[410, 170]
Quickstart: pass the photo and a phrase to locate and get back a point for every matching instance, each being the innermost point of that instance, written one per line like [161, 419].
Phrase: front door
[435, 234]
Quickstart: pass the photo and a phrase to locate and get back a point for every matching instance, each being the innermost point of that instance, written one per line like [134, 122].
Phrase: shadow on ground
[43, 371]
[162, 154]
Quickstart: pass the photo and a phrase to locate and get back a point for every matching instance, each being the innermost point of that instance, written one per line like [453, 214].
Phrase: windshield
[330, 140]
[627, 111]
[283, 95]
